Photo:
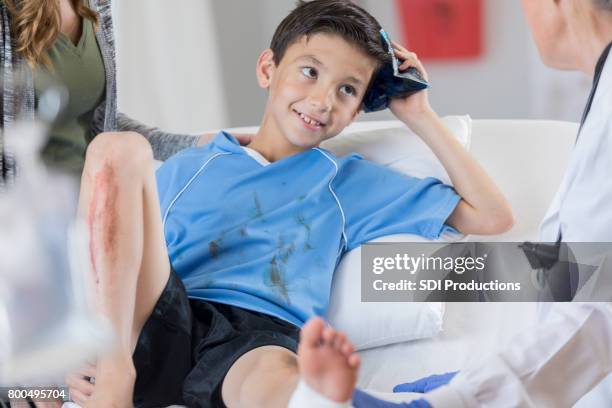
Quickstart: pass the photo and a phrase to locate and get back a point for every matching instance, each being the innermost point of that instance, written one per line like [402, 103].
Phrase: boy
[255, 233]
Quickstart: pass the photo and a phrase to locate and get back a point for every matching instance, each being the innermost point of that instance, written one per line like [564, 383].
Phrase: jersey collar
[227, 142]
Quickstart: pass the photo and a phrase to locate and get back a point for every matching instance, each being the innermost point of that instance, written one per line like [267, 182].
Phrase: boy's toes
[354, 361]
[340, 341]
[312, 332]
[329, 336]
[348, 349]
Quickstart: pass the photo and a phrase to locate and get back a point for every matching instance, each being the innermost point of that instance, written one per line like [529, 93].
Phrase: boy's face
[316, 90]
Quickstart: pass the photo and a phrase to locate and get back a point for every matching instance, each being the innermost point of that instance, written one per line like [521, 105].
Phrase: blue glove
[363, 400]
[426, 384]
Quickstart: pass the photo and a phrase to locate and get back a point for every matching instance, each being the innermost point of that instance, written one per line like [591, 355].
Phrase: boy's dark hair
[338, 17]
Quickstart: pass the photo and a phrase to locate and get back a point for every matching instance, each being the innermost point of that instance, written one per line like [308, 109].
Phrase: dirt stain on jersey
[302, 222]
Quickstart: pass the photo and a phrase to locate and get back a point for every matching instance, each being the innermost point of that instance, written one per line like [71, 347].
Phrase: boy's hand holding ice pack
[397, 79]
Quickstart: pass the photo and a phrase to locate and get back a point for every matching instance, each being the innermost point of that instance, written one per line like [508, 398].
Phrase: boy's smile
[310, 122]
[314, 93]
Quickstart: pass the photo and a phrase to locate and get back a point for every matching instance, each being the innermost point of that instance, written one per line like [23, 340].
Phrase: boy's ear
[265, 68]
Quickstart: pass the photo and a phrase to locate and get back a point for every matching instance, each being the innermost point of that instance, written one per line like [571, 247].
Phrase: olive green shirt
[80, 69]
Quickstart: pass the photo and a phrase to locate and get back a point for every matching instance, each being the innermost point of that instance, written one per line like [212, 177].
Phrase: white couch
[527, 159]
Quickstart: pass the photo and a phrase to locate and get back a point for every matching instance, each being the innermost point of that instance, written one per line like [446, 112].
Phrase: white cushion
[374, 324]
[391, 143]
[371, 325]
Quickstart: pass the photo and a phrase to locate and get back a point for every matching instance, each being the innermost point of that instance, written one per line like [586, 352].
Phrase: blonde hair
[36, 25]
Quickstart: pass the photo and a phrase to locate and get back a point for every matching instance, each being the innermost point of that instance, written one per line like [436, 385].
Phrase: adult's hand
[426, 384]
[365, 400]
[80, 385]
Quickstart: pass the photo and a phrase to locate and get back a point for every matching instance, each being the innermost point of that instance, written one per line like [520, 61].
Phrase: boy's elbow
[499, 221]
[468, 220]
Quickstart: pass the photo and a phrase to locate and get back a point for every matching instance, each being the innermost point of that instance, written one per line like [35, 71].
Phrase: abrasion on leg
[115, 269]
[102, 219]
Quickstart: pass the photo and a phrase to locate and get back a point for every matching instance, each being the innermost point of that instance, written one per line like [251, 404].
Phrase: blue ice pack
[390, 83]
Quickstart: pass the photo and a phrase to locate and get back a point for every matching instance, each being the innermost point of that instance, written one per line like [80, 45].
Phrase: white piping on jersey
[334, 194]
[187, 185]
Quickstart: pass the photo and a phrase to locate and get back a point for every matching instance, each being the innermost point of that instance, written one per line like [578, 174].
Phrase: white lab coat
[551, 366]
[582, 207]
[570, 352]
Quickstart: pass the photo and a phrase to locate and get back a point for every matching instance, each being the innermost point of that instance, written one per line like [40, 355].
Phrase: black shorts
[186, 347]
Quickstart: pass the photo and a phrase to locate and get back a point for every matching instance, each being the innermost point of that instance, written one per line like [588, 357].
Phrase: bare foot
[327, 361]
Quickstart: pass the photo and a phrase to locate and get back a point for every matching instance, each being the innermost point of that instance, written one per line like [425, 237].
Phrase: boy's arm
[483, 208]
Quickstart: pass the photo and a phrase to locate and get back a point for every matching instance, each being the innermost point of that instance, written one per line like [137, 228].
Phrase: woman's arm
[483, 208]
[164, 144]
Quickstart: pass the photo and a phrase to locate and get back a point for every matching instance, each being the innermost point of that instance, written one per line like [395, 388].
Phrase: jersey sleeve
[377, 201]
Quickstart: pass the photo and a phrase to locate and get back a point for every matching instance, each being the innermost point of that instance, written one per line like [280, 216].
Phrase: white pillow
[374, 324]
[392, 144]
[377, 324]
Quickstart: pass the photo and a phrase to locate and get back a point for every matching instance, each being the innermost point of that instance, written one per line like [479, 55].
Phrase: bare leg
[119, 202]
[268, 376]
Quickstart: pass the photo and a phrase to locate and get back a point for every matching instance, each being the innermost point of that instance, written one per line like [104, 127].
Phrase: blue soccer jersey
[267, 236]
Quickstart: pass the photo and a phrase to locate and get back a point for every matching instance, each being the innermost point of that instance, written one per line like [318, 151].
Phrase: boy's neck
[272, 144]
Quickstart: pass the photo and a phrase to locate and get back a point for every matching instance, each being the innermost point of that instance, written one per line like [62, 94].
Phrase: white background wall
[190, 64]
[168, 73]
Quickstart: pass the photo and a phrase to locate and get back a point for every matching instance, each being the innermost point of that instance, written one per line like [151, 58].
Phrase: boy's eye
[309, 72]
[348, 90]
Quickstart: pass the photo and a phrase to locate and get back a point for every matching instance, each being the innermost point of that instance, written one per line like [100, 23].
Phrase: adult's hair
[336, 17]
[35, 25]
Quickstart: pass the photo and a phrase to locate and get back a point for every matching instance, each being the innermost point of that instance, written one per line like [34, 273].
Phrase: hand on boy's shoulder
[205, 139]
[243, 138]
